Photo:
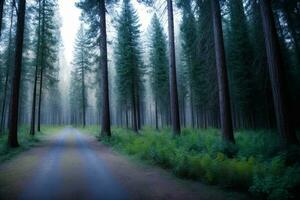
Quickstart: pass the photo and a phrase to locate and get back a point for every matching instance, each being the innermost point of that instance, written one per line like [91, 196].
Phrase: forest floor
[72, 165]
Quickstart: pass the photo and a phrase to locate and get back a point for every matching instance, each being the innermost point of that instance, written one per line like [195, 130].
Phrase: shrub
[253, 164]
[276, 185]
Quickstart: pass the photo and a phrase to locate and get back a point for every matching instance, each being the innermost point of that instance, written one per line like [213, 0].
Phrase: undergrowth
[255, 163]
[26, 141]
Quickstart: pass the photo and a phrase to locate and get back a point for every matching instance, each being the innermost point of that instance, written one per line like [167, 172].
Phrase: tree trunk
[42, 69]
[127, 117]
[14, 107]
[1, 15]
[40, 98]
[138, 110]
[4, 102]
[106, 129]
[32, 124]
[6, 83]
[156, 115]
[224, 99]
[134, 115]
[192, 108]
[277, 76]
[83, 98]
[172, 70]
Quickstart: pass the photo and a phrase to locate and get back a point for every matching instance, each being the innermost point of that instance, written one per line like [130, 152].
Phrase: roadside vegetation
[254, 164]
[27, 141]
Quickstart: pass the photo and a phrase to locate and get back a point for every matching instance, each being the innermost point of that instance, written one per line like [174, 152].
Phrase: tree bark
[156, 115]
[134, 111]
[276, 70]
[225, 110]
[127, 117]
[6, 83]
[138, 110]
[40, 97]
[4, 102]
[32, 124]
[1, 15]
[106, 129]
[42, 69]
[172, 70]
[14, 107]
[192, 107]
[83, 98]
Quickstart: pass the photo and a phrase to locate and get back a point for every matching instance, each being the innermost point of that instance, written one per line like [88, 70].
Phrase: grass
[26, 141]
[254, 164]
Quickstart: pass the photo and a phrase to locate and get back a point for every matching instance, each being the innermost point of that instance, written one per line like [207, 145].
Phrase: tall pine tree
[159, 71]
[129, 64]
[81, 68]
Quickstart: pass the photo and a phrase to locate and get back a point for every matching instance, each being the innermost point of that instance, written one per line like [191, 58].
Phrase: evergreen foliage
[80, 75]
[159, 70]
[129, 65]
[241, 66]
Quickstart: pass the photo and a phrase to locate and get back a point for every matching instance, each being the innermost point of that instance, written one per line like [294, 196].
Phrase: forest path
[72, 165]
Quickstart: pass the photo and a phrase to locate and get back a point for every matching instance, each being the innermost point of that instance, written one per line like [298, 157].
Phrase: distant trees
[91, 9]
[249, 35]
[240, 62]
[129, 64]
[174, 103]
[81, 67]
[206, 98]
[190, 57]
[49, 50]
[262, 105]
[159, 77]
[46, 56]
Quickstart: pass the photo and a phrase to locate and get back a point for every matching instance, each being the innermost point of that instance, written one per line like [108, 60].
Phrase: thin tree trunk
[1, 15]
[192, 108]
[32, 124]
[42, 69]
[156, 115]
[83, 97]
[14, 107]
[134, 115]
[277, 77]
[127, 117]
[172, 70]
[138, 110]
[224, 99]
[183, 114]
[106, 129]
[40, 98]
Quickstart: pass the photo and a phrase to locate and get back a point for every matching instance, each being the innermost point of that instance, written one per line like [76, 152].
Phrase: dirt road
[72, 165]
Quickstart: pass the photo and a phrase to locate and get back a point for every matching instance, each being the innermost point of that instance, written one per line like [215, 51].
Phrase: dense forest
[201, 66]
